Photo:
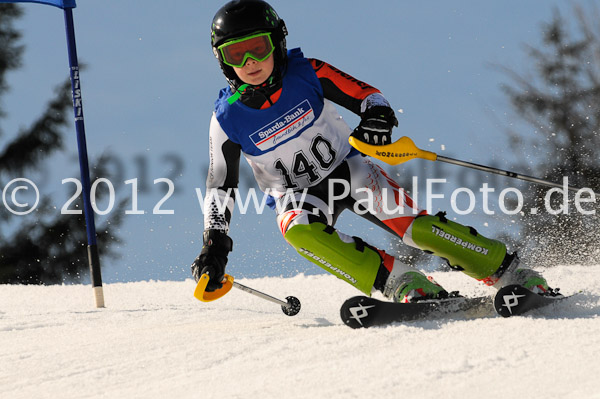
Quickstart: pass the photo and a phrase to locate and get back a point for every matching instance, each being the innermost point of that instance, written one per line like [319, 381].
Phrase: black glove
[376, 125]
[213, 258]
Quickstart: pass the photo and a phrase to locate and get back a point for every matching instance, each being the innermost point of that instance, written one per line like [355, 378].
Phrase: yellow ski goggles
[258, 46]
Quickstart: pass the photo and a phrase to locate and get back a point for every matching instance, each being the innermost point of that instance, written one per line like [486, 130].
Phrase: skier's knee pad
[292, 217]
[462, 246]
[347, 258]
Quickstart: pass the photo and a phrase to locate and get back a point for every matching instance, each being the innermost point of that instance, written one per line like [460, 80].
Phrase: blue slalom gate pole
[92, 248]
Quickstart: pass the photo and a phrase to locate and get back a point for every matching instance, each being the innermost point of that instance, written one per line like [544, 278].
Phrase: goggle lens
[236, 52]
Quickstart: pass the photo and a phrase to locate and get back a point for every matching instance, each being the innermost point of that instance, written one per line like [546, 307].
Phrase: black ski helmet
[238, 18]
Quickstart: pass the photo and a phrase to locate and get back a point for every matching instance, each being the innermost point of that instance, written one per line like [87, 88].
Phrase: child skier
[278, 112]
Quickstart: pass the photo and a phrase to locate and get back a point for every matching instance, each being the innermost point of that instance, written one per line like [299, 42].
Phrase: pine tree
[43, 247]
[561, 101]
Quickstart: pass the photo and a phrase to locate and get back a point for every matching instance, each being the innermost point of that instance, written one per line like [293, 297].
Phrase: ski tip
[355, 312]
[509, 299]
[514, 300]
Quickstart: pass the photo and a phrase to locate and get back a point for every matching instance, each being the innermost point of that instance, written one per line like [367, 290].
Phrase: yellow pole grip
[400, 151]
[200, 291]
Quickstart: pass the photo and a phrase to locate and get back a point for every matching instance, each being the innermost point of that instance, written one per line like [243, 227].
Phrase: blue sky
[151, 81]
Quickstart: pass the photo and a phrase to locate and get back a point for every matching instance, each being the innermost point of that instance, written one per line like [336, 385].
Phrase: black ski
[514, 300]
[364, 312]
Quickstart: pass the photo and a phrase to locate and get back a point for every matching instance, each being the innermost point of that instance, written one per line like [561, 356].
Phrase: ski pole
[404, 149]
[290, 308]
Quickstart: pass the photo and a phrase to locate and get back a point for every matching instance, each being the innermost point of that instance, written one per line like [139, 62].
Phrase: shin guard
[343, 256]
[463, 248]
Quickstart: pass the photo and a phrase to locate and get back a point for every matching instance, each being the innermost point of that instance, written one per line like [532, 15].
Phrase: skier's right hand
[213, 258]
[376, 125]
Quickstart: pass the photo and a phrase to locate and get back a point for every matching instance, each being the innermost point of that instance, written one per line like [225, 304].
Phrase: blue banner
[56, 3]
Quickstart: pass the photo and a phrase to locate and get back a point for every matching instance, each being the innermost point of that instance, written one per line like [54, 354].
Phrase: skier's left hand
[376, 125]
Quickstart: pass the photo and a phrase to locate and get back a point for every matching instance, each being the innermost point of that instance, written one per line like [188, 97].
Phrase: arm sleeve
[222, 179]
[342, 88]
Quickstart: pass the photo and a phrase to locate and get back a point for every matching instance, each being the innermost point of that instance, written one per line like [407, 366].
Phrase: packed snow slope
[155, 340]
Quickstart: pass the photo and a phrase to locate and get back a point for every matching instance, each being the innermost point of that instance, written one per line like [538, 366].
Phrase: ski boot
[406, 284]
[514, 273]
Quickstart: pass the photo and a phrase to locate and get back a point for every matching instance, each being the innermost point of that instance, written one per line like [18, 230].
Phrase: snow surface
[154, 340]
